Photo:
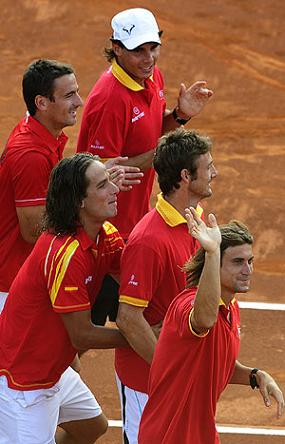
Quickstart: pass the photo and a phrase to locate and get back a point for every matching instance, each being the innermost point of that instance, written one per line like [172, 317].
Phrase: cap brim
[146, 38]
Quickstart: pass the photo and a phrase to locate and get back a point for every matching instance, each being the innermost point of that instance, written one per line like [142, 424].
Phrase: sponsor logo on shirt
[161, 93]
[132, 281]
[137, 114]
[97, 146]
[88, 279]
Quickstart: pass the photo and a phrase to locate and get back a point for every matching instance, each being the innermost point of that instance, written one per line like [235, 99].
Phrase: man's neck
[180, 201]
[55, 132]
[227, 298]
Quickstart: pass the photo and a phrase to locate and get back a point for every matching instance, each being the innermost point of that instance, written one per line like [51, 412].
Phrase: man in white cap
[125, 113]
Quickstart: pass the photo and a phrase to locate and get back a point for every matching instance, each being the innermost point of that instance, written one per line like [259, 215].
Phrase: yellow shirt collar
[169, 214]
[124, 78]
[222, 302]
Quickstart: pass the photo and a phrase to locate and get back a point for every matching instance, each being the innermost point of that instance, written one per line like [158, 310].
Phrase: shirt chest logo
[137, 114]
[97, 145]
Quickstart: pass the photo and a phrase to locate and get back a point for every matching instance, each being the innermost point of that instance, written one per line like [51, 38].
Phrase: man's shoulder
[111, 237]
[107, 87]
[149, 229]
[183, 301]
[26, 138]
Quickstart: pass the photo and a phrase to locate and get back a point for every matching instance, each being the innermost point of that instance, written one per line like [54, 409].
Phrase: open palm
[208, 236]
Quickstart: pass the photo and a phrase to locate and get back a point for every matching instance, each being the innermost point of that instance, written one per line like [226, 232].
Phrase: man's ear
[185, 175]
[82, 204]
[117, 49]
[41, 103]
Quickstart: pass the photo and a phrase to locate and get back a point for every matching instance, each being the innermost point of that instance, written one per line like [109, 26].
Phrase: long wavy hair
[67, 188]
[234, 233]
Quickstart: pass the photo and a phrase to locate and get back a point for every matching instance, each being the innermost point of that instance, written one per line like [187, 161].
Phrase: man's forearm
[142, 161]
[143, 341]
[241, 374]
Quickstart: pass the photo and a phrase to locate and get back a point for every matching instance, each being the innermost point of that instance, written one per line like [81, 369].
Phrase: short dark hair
[177, 150]
[234, 233]
[39, 79]
[66, 190]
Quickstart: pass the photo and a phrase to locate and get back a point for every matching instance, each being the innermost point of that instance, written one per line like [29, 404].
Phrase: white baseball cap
[134, 27]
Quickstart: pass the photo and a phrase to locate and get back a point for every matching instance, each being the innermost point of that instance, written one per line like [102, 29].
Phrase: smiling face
[205, 173]
[139, 62]
[60, 111]
[236, 270]
[100, 202]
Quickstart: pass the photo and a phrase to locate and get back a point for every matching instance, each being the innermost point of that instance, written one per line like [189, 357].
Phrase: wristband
[252, 378]
[178, 119]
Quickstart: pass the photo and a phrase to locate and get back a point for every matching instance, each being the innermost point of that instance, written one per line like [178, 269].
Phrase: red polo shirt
[25, 166]
[151, 277]
[121, 118]
[188, 374]
[63, 274]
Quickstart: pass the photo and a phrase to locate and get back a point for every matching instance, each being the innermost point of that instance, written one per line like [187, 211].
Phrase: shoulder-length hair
[67, 188]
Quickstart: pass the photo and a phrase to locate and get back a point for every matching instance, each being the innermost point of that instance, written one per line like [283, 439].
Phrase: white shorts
[132, 405]
[3, 297]
[31, 416]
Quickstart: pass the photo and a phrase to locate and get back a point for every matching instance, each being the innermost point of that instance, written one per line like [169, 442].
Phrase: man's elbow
[29, 234]
[203, 323]
[79, 341]
[29, 238]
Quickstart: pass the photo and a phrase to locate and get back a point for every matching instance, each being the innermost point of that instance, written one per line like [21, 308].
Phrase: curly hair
[67, 188]
[177, 150]
[39, 79]
[234, 233]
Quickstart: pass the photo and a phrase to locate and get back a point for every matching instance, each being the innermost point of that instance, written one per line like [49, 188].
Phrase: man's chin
[242, 288]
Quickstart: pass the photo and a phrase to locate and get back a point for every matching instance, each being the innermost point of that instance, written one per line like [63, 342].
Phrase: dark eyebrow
[72, 91]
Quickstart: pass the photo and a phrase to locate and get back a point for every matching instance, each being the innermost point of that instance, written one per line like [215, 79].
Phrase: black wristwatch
[178, 119]
[252, 378]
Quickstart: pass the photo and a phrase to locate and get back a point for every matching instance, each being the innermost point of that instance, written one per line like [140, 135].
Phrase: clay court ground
[238, 46]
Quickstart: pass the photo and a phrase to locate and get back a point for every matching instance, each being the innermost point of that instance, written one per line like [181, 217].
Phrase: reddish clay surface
[238, 46]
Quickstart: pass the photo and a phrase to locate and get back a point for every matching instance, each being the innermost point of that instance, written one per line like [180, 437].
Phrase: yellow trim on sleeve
[69, 307]
[70, 288]
[133, 301]
[202, 335]
[61, 269]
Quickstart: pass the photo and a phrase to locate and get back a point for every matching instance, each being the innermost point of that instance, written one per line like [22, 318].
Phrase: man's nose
[78, 100]
[247, 268]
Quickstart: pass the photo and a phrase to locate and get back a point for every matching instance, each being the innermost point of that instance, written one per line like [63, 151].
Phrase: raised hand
[191, 101]
[208, 236]
[123, 176]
